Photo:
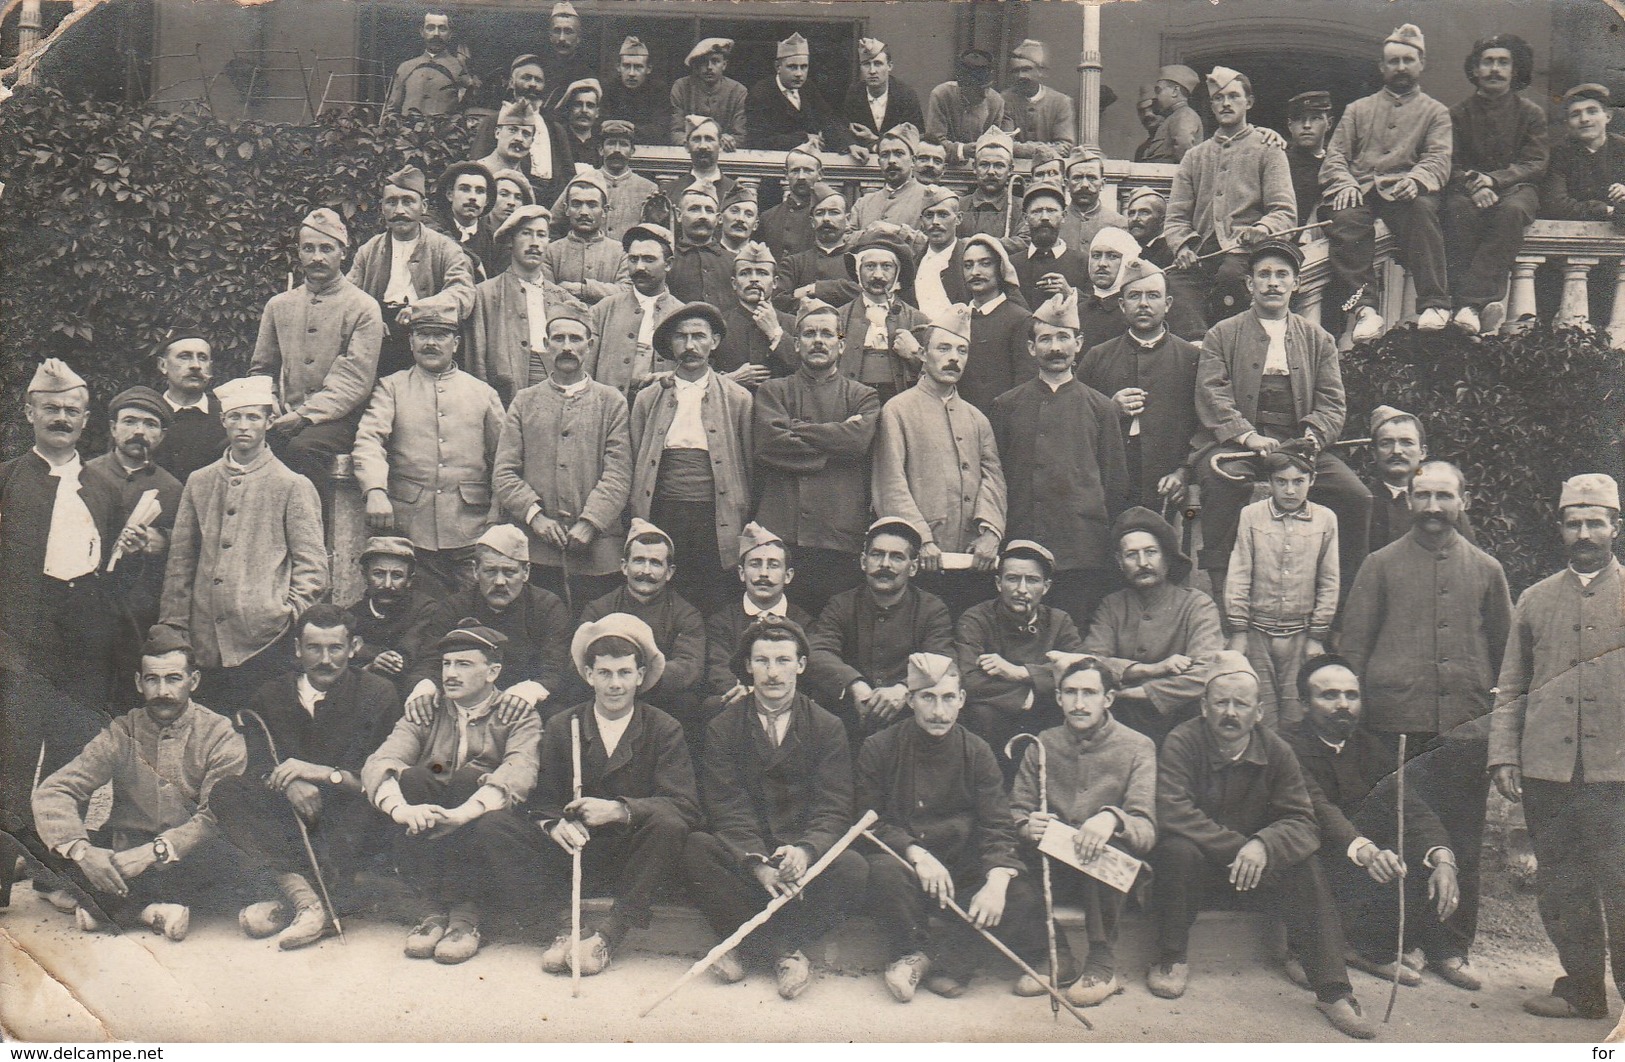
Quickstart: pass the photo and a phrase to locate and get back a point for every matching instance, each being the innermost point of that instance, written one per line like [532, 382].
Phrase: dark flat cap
[143, 398]
[1309, 103]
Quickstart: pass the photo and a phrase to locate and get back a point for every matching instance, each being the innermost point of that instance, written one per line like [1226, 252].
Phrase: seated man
[1003, 645]
[453, 783]
[637, 802]
[1235, 818]
[1350, 774]
[863, 638]
[390, 604]
[776, 779]
[943, 808]
[1101, 778]
[766, 571]
[1586, 179]
[324, 720]
[158, 846]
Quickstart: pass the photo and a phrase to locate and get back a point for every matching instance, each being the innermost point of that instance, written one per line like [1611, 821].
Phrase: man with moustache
[1040, 114]
[1003, 645]
[736, 225]
[1086, 212]
[1150, 374]
[545, 159]
[1179, 127]
[194, 436]
[512, 134]
[320, 343]
[902, 197]
[438, 81]
[1570, 786]
[1099, 777]
[1146, 107]
[627, 190]
[776, 781]
[931, 159]
[757, 336]
[1063, 464]
[1235, 819]
[936, 464]
[563, 467]
[821, 271]
[1390, 158]
[1048, 266]
[391, 602]
[1156, 634]
[766, 570]
[939, 278]
[508, 325]
[587, 264]
[1308, 123]
[1145, 212]
[158, 852]
[624, 355]
[863, 637]
[1499, 161]
[787, 229]
[703, 141]
[562, 58]
[707, 92]
[879, 350]
[423, 453]
[700, 269]
[1425, 626]
[959, 111]
[581, 104]
[468, 193]
[787, 108]
[811, 432]
[877, 101]
[998, 358]
[638, 96]
[691, 458]
[1398, 448]
[988, 210]
[1100, 310]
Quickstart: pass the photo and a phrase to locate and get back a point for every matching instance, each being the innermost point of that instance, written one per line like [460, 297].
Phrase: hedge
[119, 222]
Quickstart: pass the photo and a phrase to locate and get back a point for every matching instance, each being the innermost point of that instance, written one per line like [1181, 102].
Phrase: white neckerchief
[400, 289]
[1275, 360]
[611, 730]
[782, 608]
[875, 313]
[535, 314]
[928, 289]
[541, 150]
[687, 430]
[309, 696]
[73, 546]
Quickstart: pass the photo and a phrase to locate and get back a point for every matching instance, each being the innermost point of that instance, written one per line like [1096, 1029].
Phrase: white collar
[71, 466]
[1394, 491]
[200, 402]
[692, 385]
[570, 390]
[780, 609]
[992, 304]
[309, 695]
[1586, 577]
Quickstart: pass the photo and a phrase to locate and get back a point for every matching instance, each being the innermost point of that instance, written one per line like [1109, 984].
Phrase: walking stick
[569, 597]
[575, 862]
[1004, 949]
[304, 834]
[759, 919]
[1049, 895]
[1272, 236]
[1399, 959]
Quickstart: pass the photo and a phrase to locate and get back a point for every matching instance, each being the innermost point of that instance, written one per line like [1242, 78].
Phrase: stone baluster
[1521, 299]
[1575, 307]
[1616, 322]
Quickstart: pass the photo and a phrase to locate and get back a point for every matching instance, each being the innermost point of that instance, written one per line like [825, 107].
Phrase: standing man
[1180, 127]
[787, 229]
[1308, 123]
[320, 342]
[1048, 266]
[998, 359]
[563, 467]
[1499, 161]
[1041, 115]
[638, 96]
[587, 264]
[821, 271]
[437, 82]
[811, 432]
[756, 341]
[468, 193]
[939, 278]
[1398, 448]
[623, 324]
[1556, 741]
[786, 109]
[194, 437]
[879, 350]
[1063, 463]
[1424, 627]
[959, 111]
[423, 453]
[989, 211]
[708, 92]
[876, 101]
[1086, 212]
[902, 198]
[248, 554]
[700, 270]
[1586, 180]
[562, 59]
[1390, 158]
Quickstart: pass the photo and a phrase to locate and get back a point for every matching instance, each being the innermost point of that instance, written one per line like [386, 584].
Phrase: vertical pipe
[1089, 79]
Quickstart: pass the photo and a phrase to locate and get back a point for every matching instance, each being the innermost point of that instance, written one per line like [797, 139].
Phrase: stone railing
[1588, 253]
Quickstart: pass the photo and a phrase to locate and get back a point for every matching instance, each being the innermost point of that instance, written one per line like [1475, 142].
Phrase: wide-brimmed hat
[620, 625]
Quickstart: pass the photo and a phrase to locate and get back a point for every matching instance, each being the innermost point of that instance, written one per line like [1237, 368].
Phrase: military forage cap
[869, 48]
[434, 321]
[692, 122]
[633, 46]
[143, 398]
[755, 536]
[327, 223]
[1383, 414]
[793, 45]
[821, 192]
[719, 45]
[507, 540]
[1220, 78]
[1181, 75]
[564, 9]
[1135, 270]
[954, 318]
[1032, 51]
[810, 307]
[53, 376]
[1227, 662]
[471, 634]
[1080, 156]
[614, 128]
[743, 191]
[516, 112]
[246, 391]
[756, 253]
[996, 139]
[389, 546]
[1408, 34]
[1026, 547]
[1144, 193]
[640, 527]
[937, 194]
[1591, 488]
[927, 669]
[1059, 311]
[589, 179]
[905, 132]
[1039, 189]
[408, 178]
[1309, 103]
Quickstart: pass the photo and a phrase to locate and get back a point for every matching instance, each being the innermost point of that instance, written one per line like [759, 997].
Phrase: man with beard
[691, 458]
[1156, 634]
[707, 92]
[776, 779]
[1180, 127]
[736, 225]
[880, 350]
[1040, 114]
[648, 562]
[863, 637]
[639, 96]
[787, 229]
[1350, 774]
[811, 433]
[1145, 213]
[1390, 158]
[194, 437]
[1150, 375]
[1230, 192]
[700, 270]
[1499, 159]
[468, 192]
[423, 453]
[582, 105]
[545, 160]
[939, 279]
[1063, 464]
[1235, 819]
[961, 111]
[787, 108]
[1571, 791]
[159, 846]
[1425, 627]
[320, 342]
[988, 210]
[623, 325]
[1100, 311]
[1002, 647]
[1308, 122]
[1398, 448]
[1086, 213]
[756, 337]
[390, 604]
[998, 358]
[936, 465]
[703, 141]
[508, 327]
[563, 467]
[325, 721]
[877, 101]
[587, 264]
[437, 82]
[902, 198]
[1049, 266]
[820, 272]
[765, 569]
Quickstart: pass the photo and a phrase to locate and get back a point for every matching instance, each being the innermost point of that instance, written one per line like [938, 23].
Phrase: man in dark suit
[877, 101]
[1049, 266]
[787, 108]
[195, 436]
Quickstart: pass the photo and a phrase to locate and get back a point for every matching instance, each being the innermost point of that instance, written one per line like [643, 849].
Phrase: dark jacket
[195, 437]
[1073, 264]
[650, 772]
[1391, 518]
[537, 625]
[777, 126]
[902, 105]
[853, 639]
[380, 634]
[678, 628]
[1577, 180]
[351, 721]
[989, 627]
[1167, 373]
[1354, 796]
[723, 629]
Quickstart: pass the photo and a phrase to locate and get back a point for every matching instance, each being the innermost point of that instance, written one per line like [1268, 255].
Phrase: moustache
[59, 425]
[950, 366]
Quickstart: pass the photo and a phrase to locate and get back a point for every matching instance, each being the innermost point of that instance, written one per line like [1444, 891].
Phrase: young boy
[1281, 592]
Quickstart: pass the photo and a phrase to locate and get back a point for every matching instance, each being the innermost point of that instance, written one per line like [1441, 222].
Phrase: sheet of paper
[1113, 866]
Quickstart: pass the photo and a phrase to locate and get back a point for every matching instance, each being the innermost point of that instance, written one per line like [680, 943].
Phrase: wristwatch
[160, 848]
[337, 777]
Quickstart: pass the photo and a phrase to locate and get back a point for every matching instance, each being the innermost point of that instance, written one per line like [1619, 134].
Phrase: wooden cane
[759, 919]
[1043, 860]
[1004, 949]
[575, 865]
[1271, 236]
[1399, 958]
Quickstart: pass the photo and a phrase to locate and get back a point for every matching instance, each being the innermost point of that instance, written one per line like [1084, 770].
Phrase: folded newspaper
[1113, 866]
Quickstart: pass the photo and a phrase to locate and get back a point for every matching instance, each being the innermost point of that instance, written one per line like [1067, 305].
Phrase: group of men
[687, 547]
